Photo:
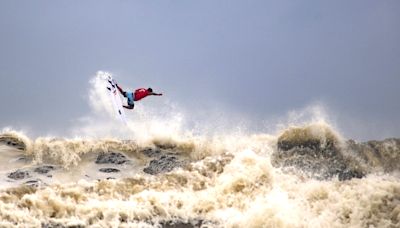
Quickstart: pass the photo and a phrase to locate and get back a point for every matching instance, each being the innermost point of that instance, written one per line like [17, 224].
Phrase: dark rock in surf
[317, 155]
[151, 153]
[109, 170]
[111, 158]
[377, 155]
[13, 141]
[59, 225]
[163, 164]
[44, 169]
[34, 183]
[180, 224]
[349, 174]
[52, 225]
[19, 175]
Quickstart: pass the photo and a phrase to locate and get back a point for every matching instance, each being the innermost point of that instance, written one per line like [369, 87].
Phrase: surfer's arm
[156, 94]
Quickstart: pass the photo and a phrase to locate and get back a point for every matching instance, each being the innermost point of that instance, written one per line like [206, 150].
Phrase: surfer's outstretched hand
[155, 94]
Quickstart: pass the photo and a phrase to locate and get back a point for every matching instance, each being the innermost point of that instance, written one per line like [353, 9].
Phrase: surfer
[136, 96]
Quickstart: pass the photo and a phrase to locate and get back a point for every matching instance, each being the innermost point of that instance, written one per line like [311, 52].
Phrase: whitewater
[156, 173]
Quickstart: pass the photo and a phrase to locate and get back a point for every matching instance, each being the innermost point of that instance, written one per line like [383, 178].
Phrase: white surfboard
[115, 99]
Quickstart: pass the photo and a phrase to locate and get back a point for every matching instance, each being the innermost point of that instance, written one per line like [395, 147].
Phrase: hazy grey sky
[258, 58]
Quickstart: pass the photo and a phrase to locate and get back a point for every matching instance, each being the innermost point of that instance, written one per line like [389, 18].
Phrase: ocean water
[304, 175]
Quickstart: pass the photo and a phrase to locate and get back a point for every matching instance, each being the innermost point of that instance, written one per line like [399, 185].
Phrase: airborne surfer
[136, 96]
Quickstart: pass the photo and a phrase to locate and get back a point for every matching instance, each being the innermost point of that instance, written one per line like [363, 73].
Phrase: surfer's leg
[121, 90]
[130, 102]
[129, 106]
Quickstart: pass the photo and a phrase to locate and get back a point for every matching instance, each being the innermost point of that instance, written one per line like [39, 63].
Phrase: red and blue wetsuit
[136, 96]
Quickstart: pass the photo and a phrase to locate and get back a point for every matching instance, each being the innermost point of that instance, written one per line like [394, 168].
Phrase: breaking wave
[304, 175]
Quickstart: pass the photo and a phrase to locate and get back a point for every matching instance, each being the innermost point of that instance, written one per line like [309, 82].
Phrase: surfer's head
[150, 90]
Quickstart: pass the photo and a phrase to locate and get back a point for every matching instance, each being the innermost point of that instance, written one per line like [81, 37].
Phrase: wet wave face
[305, 176]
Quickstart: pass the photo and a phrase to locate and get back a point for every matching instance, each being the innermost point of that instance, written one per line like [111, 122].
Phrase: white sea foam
[229, 179]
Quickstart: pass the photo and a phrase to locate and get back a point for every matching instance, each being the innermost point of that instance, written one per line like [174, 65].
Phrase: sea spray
[304, 174]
